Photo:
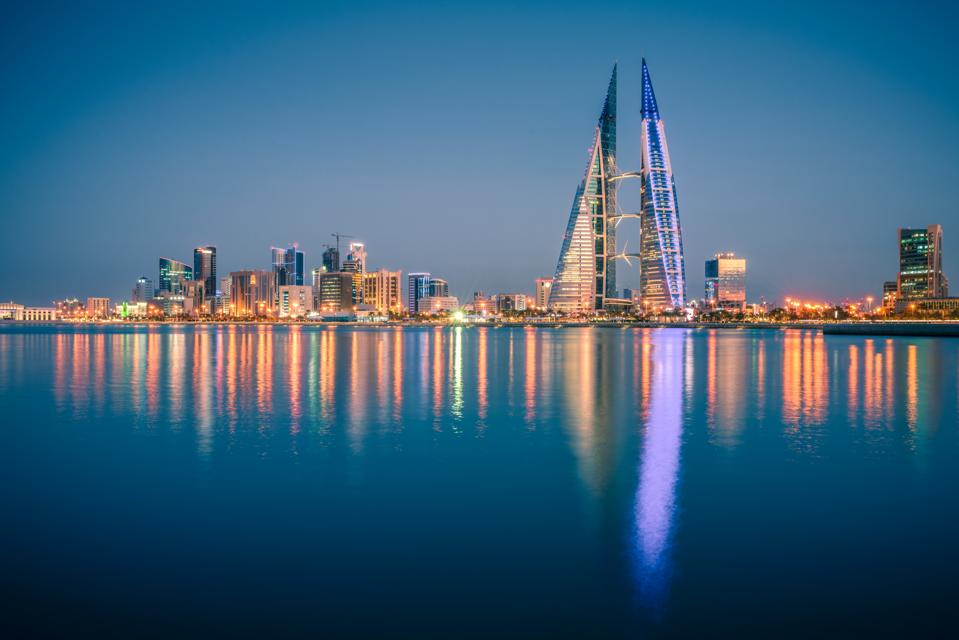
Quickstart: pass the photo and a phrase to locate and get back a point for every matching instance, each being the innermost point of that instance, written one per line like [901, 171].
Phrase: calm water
[577, 482]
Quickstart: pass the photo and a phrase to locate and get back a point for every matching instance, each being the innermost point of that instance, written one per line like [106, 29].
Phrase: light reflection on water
[630, 408]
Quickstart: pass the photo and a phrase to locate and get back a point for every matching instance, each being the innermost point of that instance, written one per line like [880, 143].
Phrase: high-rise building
[356, 258]
[143, 291]
[417, 287]
[225, 285]
[585, 274]
[204, 270]
[543, 286]
[662, 265]
[439, 288]
[726, 282]
[251, 293]
[920, 264]
[331, 260]
[195, 300]
[336, 292]
[383, 290]
[173, 275]
[287, 266]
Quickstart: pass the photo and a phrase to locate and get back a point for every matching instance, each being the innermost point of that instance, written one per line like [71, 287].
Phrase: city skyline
[156, 144]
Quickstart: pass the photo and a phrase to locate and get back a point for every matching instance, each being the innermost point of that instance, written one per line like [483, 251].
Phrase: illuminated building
[662, 265]
[438, 304]
[70, 308]
[726, 282]
[143, 291]
[295, 300]
[251, 293]
[585, 274]
[98, 307]
[920, 264]
[383, 290]
[225, 286]
[336, 292]
[510, 302]
[543, 286]
[204, 270]
[11, 311]
[439, 288]
[890, 293]
[173, 274]
[417, 287]
[40, 314]
[481, 304]
[195, 298]
[355, 263]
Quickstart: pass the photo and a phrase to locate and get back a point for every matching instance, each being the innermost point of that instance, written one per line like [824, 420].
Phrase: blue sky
[450, 137]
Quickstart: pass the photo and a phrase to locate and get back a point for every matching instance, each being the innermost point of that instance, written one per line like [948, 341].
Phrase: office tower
[225, 286]
[251, 293]
[173, 274]
[143, 291]
[662, 266]
[417, 287]
[920, 264]
[331, 260]
[585, 275]
[296, 301]
[204, 270]
[890, 294]
[382, 290]
[439, 288]
[543, 286]
[98, 307]
[336, 292]
[726, 282]
[287, 266]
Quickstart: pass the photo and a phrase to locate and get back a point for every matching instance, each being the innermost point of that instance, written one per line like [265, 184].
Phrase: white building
[40, 314]
[438, 304]
[11, 311]
[296, 301]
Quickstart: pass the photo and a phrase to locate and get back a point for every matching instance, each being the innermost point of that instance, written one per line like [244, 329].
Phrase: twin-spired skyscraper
[586, 272]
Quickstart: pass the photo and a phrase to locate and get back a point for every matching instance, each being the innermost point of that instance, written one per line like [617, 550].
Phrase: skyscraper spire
[650, 109]
[584, 273]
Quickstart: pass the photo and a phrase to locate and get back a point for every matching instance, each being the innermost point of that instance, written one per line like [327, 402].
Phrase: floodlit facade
[585, 274]
[336, 292]
[98, 307]
[920, 264]
[143, 291]
[382, 290]
[438, 304]
[295, 300]
[726, 282]
[251, 293]
[543, 287]
[662, 265]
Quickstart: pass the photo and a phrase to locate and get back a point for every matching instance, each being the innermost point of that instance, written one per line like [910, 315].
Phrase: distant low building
[506, 302]
[11, 311]
[98, 307]
[40, 314]
[890, 293]
[438, 304]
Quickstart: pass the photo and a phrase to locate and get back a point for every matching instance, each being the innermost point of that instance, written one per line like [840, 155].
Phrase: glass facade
[920, 264]
[417, 288]
[585, 275]
[662, 265]
[173, 274]
[726, 282]
[287, 266]
[204, 270]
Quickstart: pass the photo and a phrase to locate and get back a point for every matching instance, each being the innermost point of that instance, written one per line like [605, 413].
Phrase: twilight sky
[450, 137]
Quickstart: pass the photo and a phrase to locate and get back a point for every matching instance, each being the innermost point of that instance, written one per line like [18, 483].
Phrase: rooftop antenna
[338, 236]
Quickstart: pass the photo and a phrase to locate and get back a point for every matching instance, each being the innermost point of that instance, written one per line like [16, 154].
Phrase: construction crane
[338, 236]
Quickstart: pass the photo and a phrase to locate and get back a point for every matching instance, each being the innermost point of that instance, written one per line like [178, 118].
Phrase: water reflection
[659, 467]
